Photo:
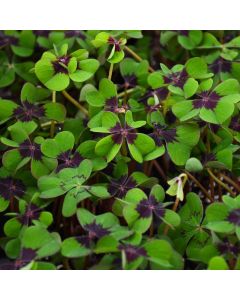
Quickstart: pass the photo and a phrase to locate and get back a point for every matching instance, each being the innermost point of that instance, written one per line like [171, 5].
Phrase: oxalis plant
[119, 150]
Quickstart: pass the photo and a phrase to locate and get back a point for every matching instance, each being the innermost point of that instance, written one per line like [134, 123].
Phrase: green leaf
[106, 244]
[80, 76]
[95, 98]
[50, 187]
[142, 225]
[172, 218]
[58, 82]
[84, 216]
[6, 109]
[12, 227]
[135, 195]
[116, 57]
[192, 211]
[11, 159]
[51, 247]
[155, 80]
[228, 87]
[3, 204]
[38, 168]
[104, 146]
[101, 39]
[158, 192]
[157, 152]
[13, 248]
[62, 142]
[144, 143]
[193, 165]
[109, 119]
[130, 214]
[136, 154]
[197, 68]
[179, 153]
[46, 218]
[208, 115]
[70, 204]
[72, 248]
[89, 65]
[107, 88]
[55, 111]
[190, 87]
[159, 251]
[107, 220]
[220, 226]
[33, 93]
[99, 191]
[35, 236]
[216, 212]
[223, 111]
[217, 263]
[182, 110]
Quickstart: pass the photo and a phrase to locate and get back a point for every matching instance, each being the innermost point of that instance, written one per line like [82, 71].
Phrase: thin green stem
[124, 148]
[122, 94]
[110, 71]
[194, 179]
[220, 183]
[52, 128]
[159, 169]
[75, 102]
[217, 47]
[230, 181]
[46, 124]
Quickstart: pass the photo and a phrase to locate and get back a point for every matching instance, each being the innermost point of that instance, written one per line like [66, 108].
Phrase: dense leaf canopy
[119, 150]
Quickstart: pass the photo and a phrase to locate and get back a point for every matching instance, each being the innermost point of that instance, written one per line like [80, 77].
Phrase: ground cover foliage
[119, 150]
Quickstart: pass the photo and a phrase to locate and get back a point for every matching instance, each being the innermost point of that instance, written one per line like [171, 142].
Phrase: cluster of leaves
[119, 150]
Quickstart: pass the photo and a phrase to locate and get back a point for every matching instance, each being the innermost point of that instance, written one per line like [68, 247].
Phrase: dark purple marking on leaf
[26, 256]
[235, 124]
[43, 33]
[229, 36]
[207, 100]
[161, 134]
[226, 247]
[7, 39]
[96, 230]
[75, 33]
[161, 93]
[184, 32]
[32, 212]
[120, 187]
[234, 217]
[147, 207]
[10, 188]
[113, 41]
[58, 68]
[68, 160]
[177, 79]
[130, 81]
[119, 133]
[84, 240]
[28, 111]
[113, 106]
[208, 158]
[221, 65]
[132, 252]
[213, 127]
[30, 149]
